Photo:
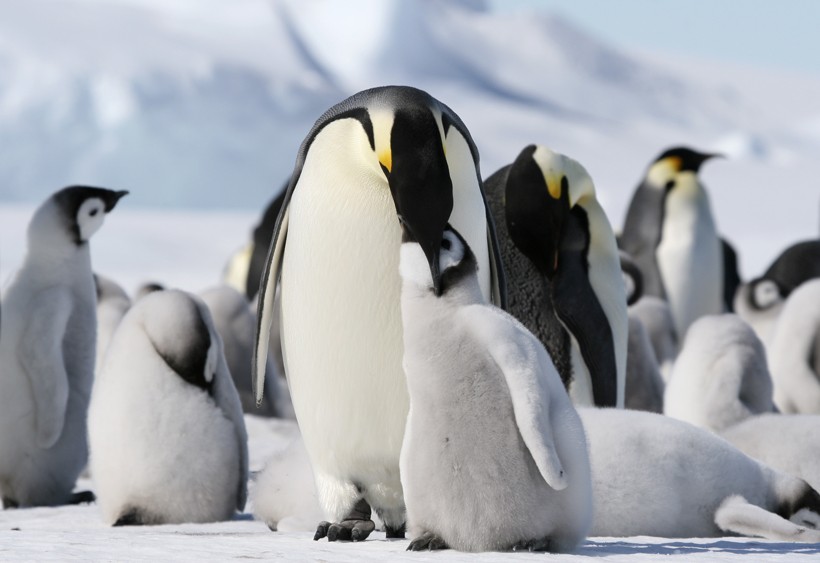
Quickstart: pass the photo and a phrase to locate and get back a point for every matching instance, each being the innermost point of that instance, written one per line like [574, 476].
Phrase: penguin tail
[735, 514]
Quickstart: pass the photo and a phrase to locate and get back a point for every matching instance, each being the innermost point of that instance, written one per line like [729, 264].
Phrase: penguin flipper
[267, 296]
[498, 281]
[41, 356]
[523, 361]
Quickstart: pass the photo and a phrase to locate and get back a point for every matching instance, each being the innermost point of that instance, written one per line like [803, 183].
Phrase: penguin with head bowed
[563, 270]
[670, 233]
[166, 432]
[794, 355]
[720, 376]
[383, 155]
[47, 351]
[477, 376]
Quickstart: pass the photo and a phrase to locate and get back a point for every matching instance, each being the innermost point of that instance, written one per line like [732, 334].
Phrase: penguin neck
[61, 259]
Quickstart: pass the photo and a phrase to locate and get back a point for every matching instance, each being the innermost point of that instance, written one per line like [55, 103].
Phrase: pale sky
[782, 34]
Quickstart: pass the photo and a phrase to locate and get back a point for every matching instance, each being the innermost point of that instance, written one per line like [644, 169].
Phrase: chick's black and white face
[414, 266]
[90, 217]
[765, 294]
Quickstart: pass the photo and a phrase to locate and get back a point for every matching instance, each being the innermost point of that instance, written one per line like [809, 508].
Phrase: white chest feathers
[689, 255]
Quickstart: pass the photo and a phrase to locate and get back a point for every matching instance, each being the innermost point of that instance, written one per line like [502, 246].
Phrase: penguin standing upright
[562, 263]
[670, 233]
[47, 351]
[383, 154]
[165, 426]
[477, 376]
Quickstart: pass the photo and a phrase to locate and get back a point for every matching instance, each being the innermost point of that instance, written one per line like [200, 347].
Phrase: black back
[262, 237]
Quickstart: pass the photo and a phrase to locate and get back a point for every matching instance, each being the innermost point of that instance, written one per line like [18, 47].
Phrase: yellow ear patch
[386, 159]
[675, 162]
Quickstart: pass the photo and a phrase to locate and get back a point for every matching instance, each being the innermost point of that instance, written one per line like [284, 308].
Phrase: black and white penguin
[563, 270]
[47, 351]
[165, 425]
[383, 154]
[670, 233]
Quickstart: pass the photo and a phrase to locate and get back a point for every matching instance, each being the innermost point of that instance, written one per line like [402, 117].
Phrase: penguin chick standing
[494, 455]
[563, 270]
[381, 154]
[112, 304]
[47, 350]
[165, 426]
[670, 233]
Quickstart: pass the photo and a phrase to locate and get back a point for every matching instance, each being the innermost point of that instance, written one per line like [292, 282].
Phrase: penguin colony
[458, 351]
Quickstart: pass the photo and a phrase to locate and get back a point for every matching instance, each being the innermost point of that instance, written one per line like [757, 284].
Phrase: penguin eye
[445, 244]
[93, 212]
[669, 185]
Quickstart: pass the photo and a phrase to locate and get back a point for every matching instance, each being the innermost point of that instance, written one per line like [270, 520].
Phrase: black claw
[428, 541]
[321, 530]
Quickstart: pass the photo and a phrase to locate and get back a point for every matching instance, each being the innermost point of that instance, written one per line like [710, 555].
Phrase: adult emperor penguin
[563, 270]
[383, 154]
[47, 351]
[670, 233]
[477, 376]
[165, 426]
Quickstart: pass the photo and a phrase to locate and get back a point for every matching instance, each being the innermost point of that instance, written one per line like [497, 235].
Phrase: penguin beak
[112, 197]
[556, 217]
[698, 159]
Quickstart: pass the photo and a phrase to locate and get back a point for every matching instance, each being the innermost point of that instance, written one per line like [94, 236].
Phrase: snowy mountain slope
[204, 103]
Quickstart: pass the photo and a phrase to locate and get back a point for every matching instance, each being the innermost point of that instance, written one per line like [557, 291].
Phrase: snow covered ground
[78, 533]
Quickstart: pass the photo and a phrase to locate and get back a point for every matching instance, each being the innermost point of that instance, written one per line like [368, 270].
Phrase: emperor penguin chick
[494, 456]
[166, 432]
[49, 331]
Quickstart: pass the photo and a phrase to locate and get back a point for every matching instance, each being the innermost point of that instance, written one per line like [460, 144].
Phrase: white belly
[690, 259]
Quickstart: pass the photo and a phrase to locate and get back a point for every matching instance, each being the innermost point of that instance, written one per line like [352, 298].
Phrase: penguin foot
[10, 503]
[356, 526]
[130, 518]
[83, 497]
[346, 530]
[395, 533]
[532, 545]
[428, 541]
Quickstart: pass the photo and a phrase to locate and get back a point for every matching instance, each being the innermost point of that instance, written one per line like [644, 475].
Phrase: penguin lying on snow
[794, 357]
[656, 476]
[381, 154]
[165, 425]
[563, 270]
[494, 456]
[720, 377]
[49, 330]
[786, 442]
[670, 233]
